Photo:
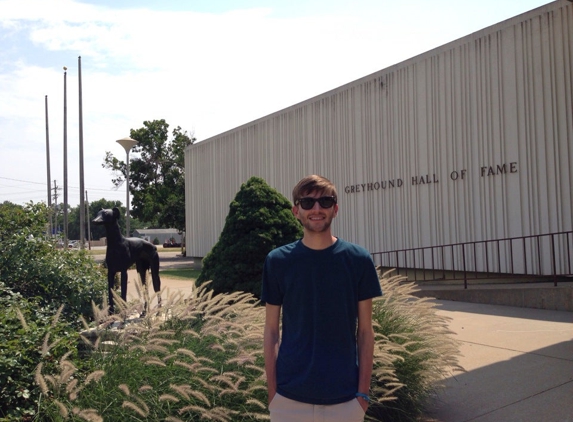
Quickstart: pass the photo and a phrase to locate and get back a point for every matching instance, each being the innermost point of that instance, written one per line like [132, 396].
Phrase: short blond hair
[311, 184]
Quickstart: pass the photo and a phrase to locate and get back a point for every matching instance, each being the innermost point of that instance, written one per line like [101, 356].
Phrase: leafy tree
[259, 220]
[97, 232]
[15, 218]
[157, 176]
[58, 218]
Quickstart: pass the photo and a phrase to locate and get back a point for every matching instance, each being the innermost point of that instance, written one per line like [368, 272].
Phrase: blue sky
[207, 66]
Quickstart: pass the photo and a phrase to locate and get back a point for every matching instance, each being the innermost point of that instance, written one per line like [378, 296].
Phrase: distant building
[470, 141]
[162, 235]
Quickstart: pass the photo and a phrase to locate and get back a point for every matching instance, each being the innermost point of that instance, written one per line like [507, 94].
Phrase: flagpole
[48, 167]
[81, 125]
[65, 160]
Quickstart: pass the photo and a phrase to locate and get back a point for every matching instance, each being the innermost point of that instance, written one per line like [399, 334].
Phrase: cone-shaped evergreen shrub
[259, 220]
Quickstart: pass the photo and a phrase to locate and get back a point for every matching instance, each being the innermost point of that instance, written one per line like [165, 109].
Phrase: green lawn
[160, 249]
[184, 273]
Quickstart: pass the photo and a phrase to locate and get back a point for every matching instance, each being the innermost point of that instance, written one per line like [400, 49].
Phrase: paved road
[168, 260]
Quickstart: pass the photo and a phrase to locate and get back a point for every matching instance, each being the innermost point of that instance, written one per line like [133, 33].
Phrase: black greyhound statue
[123, 252]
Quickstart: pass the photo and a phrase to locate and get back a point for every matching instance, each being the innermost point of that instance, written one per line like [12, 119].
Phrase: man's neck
[318, 241]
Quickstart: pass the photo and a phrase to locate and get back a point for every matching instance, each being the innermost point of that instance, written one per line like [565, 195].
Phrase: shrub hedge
[43, 293]
[259, 220]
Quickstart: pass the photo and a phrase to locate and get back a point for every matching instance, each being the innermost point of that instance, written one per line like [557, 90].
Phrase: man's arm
[365, 342]
[271, 347]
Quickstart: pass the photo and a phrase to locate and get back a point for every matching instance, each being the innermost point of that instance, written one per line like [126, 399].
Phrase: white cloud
[202, 71]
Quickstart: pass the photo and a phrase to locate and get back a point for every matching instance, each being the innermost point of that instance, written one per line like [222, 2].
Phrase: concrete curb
[556, 298]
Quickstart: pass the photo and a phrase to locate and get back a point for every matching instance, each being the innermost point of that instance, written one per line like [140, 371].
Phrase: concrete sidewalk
[518, 362]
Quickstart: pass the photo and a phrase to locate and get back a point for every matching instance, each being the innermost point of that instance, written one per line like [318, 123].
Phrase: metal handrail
[485, 259]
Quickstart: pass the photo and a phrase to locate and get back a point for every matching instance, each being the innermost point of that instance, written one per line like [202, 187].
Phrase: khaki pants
[287, 410]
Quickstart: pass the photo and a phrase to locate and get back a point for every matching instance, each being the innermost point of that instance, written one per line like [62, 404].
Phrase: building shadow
[529, 387]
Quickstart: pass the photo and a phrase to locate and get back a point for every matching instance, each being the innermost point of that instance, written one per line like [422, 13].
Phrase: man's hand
[363, 403]
[272, 396]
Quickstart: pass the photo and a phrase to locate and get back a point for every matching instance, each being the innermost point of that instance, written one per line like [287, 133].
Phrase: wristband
[364, 396]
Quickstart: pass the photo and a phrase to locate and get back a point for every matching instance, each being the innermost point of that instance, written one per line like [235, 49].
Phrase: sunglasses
[323, 201]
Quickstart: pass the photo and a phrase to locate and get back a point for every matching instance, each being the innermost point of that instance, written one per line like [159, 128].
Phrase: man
[324, 286]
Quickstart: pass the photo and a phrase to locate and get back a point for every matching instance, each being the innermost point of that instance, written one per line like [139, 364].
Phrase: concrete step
[538, 295]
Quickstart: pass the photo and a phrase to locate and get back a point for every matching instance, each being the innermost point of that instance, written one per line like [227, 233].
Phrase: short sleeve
[270, 291]
[369, 286]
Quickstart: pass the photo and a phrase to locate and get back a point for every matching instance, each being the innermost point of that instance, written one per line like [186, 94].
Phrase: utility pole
[48, 166]
[88, 222]
[55, 189]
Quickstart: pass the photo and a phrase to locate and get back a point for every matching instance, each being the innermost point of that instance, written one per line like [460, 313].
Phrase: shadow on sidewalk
[533, 386]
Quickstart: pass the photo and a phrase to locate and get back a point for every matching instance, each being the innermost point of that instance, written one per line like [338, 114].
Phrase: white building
[470, 141]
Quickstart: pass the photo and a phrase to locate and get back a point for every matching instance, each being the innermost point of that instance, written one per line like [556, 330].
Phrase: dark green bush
[14, 218]
[24, 327]
[259, 220]
[32, 266]
[36, 279]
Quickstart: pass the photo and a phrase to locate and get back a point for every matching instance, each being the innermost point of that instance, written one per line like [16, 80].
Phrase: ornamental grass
[423, 352]
[200, 357]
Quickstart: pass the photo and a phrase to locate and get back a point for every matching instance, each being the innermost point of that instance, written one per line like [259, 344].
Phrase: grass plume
[200, 358]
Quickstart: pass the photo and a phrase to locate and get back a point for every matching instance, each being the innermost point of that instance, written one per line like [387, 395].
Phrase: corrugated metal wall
[470, 141]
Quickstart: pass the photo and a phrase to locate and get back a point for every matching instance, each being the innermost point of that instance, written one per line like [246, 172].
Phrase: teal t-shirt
[319, 291]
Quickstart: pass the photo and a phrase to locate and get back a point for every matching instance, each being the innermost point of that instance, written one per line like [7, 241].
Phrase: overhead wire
[23, 193]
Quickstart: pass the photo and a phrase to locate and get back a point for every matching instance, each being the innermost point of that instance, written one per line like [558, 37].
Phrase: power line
[111, 189]
[20, 194]
[23, 181]
[19, 187]
[26, 192]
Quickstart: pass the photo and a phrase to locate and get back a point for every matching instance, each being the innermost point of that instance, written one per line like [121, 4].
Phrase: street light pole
[127, 143]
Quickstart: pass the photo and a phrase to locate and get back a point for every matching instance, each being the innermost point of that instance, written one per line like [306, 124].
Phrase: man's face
[316, 219]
